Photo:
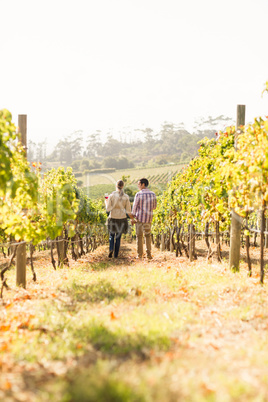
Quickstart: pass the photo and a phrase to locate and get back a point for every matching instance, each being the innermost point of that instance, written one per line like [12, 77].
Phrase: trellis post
[21, 249]
[234, 254]
[191, 242]
[171, 240]
[162, 245]
[266, 236]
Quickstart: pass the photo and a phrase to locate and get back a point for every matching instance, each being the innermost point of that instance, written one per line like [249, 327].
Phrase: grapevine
[36, 207]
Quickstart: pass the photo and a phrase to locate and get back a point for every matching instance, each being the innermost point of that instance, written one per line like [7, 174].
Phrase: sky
[119, 65]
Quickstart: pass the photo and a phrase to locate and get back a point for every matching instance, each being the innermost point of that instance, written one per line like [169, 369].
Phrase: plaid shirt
[143, 206]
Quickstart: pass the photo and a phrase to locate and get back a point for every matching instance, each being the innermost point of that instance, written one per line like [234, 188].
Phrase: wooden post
[76, 245]
[21, 250]
[191, 239]
[21, 265]
[162, 245]
[247, 248]
[218, 240]
[60, 250]
[262, 241]
[234, 254]
[171, 231]
[266, 236]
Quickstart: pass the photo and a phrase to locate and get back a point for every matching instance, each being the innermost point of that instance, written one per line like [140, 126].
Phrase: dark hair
[144, 181]
[120, 184]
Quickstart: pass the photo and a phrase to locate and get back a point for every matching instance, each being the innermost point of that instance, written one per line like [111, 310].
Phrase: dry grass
[130, 330]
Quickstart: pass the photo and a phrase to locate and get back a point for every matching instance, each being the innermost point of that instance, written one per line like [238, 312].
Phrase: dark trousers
[115, 247]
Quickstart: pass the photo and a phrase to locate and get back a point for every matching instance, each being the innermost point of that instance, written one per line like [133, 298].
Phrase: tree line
[171, 144]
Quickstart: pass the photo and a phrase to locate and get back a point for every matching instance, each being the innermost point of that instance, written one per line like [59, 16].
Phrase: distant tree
[75, 140]
[110, 162]
[162, 161]
[111, 147]
[148, 137]
[171, 137]
[70, 147]
[95, 164]
[124, 163]
[117, 163]
[185, 157]
[53, 156]
[94, 144]
[85, 164]
[75, 165]
[64, 151]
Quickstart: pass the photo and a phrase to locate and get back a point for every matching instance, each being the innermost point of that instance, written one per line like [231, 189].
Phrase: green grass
[93, 293]
[99, 190]
[102, 384]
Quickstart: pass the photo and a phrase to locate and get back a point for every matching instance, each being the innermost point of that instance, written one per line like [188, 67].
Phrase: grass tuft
[100, 385]
[95, 292]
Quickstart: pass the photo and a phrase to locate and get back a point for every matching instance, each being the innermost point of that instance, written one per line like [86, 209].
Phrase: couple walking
[118, 205]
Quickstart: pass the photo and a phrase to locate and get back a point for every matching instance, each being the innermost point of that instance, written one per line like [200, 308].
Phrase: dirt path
[215, 323]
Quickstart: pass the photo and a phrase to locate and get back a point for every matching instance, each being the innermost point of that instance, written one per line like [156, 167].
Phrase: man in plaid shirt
[143, 206]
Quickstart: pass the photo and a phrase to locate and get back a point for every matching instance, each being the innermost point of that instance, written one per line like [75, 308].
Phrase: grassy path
[130, 330]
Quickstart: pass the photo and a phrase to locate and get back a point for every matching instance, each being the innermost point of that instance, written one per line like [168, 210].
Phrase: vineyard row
[226, 182]
[35, 207]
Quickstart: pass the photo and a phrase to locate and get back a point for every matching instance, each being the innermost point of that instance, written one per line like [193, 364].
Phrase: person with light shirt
[118, 205]
[143, 206]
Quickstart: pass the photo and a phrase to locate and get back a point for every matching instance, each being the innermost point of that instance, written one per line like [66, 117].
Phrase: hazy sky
[100, 64]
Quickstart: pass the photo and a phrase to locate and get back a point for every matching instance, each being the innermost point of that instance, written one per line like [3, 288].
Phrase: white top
[118, 207]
